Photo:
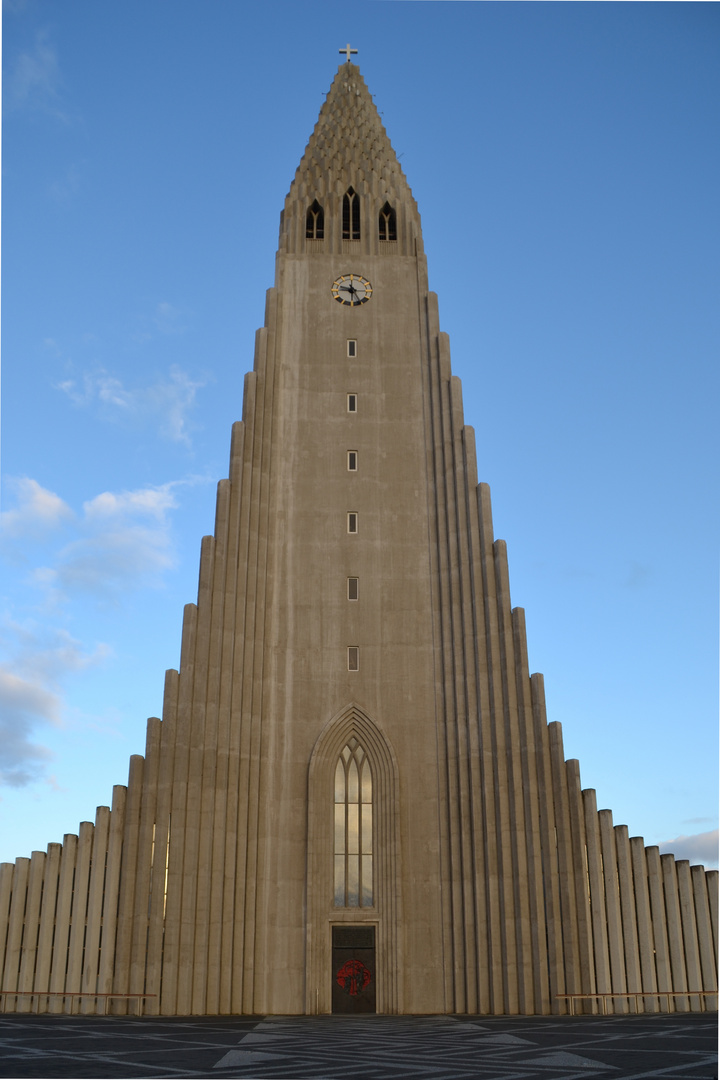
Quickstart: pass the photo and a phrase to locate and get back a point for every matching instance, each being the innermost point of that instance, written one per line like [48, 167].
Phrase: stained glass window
[353, 828]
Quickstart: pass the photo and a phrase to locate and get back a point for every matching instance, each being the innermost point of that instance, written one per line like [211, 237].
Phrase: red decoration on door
[353, 976]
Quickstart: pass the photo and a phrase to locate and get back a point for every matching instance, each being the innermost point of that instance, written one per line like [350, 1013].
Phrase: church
[354, 801]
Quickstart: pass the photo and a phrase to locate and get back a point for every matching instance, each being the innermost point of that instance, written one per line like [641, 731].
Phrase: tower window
[352, 460]
[315, 222]
[353, 828]
[352, 347]
[352, 403]
[388, 223]
[351, 215]
[353, 658]
[352, 522]
[352, 583]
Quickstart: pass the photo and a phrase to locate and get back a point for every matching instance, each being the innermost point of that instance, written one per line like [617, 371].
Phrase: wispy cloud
[36, 662]
[698, 848]
[167, 402]
[38, 511]
[34, 80]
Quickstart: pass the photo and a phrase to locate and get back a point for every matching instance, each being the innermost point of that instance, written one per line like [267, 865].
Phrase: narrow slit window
[352, 403]
[352, 460]
[351, 215]
[353, 849]
[352, 583]
[388, 223]
[352, 522]
[352, 347]
[353, 658]
[315, 222]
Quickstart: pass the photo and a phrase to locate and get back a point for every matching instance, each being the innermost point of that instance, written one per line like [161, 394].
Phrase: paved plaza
[675, 1047]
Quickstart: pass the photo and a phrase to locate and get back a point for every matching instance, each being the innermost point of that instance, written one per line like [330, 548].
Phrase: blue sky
[565, 162]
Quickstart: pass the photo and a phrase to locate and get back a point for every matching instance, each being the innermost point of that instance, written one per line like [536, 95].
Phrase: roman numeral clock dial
[352, 290]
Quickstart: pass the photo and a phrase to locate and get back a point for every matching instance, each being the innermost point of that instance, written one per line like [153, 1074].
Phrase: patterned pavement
[675, 1047]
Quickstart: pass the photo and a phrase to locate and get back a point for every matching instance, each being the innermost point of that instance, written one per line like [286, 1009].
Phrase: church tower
[353, 800]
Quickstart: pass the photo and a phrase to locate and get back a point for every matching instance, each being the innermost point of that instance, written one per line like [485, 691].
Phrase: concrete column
[704, 930]
[586, 971]
[73, 979]
[91, 958]
[612, 908]
[126, 897]
[646, 940]
[628, 908]
[112, 888]
[6, 875]
[31, 929]
[47, 922]
[689, 929]
[659, 924]
[597, 894]
[674, 926]
[13, 949]
[62, 920]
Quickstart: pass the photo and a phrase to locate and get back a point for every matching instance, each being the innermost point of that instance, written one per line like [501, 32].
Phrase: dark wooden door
[353, 970]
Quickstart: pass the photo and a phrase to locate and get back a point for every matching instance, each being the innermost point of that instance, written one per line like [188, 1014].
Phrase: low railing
[66, 994]
[639, 994]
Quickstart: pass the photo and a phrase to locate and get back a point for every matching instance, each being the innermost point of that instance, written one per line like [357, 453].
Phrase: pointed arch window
[388, 223]
[353, 828]
[315, 222]
[351, 215]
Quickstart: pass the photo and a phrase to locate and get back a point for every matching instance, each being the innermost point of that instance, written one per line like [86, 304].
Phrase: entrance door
[353, 970]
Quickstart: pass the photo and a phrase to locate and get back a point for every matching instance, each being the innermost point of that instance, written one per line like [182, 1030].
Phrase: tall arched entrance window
[353, 868]
[353, 861]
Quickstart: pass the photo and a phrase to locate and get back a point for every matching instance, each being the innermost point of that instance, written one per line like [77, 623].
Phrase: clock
[352, 290]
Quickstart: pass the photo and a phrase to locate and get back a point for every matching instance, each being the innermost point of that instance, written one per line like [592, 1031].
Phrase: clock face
[352, 290]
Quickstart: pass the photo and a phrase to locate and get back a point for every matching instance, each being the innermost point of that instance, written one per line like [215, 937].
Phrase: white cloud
[698, 848]
[127, 542]
[30, 694]
[39, 512]
[34, 79]
[166, 402]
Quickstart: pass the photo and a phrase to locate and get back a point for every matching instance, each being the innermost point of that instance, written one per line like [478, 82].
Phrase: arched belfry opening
[315, 222]
[387, 223]
[353, 870]
[351, 215]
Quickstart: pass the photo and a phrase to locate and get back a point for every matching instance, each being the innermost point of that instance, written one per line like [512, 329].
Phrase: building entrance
[353, 969]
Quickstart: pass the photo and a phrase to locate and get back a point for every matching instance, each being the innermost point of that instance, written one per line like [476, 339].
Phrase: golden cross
[347, 50]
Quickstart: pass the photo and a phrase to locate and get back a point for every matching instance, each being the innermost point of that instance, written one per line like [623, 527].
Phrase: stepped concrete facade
[354, 800]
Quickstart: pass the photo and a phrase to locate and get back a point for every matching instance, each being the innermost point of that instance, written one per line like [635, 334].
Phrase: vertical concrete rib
[538, 957]
[128, 873]
[112, 889]
[47, 924]
[91, 952]
[433, 456]
[627, 909]
[612, 908]
[597, 894]
[73, 980]
[161, 842]
[568, 901]
[31, 929]
[193, 885]
[646, 939]
[548, 846]
[659, 922]
[586, 973]
[6, 876]
[62, 921]
[704, 931]
[674, 929]
[145, 856]
[176, 835]
[690, 932]
[13, 948]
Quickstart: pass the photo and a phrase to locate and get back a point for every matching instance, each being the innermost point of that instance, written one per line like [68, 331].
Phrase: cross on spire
[347, 50]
